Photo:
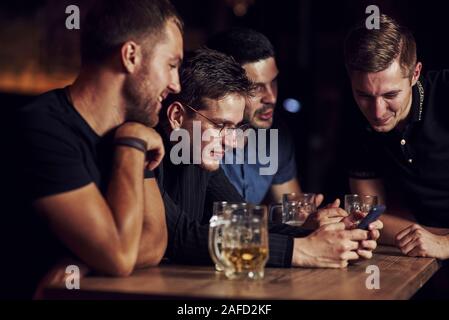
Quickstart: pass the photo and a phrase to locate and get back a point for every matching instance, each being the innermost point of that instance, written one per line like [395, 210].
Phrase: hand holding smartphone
[372, 216]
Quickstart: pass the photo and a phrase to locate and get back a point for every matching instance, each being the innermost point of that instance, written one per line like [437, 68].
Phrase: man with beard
[86, 151]
[254, 52]
[203, 119]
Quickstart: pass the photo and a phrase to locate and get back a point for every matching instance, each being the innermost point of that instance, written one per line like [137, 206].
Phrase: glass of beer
[245, 242]
[359, 205]
[295, 208]
[220, 218]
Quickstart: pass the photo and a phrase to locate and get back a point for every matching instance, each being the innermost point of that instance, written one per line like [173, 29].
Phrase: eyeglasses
[224, 131]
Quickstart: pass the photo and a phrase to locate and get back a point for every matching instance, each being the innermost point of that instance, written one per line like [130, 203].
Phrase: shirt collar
[417, 101]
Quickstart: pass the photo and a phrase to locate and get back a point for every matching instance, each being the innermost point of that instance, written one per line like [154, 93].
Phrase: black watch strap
[132, 142]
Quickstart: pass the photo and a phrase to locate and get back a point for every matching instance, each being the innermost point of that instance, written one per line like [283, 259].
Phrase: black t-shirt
[414, 163]
[55, 151]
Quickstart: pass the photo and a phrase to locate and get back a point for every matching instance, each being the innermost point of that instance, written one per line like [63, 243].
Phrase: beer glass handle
[272, 207]
[215, 236]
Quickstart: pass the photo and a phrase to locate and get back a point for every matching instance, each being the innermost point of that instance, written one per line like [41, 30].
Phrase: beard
[265, 108]
[210, 165]
[258, 123]
[140, 107]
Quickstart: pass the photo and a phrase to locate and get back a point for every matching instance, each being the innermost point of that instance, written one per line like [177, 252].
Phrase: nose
[230, 140]
[174, 85]
[380, 107]
[270, 95]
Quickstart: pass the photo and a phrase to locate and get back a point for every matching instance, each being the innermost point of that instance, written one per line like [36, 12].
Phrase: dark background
[37, 53]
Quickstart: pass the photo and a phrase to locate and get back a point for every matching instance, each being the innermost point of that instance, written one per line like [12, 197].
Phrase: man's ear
[416, 73]
[176, 115]
[131, 56]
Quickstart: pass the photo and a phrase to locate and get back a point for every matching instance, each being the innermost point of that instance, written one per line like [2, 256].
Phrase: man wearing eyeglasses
[254, 52]
[197, 125]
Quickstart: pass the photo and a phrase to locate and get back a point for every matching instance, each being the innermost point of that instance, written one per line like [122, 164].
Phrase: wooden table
[400, 278]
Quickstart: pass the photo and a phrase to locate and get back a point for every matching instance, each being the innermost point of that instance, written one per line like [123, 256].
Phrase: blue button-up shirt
[246, 176]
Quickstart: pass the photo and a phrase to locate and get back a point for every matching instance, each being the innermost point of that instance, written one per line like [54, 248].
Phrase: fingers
[319, 200]
[374, 235]
[417, 252]
[351, 245]
[406, 231]
[341, 265]
[349, 255]
[374, 228]
[365, 254]
[406, 240]
[366, 249]
[376, 225]
[351, 220]
[332, 213]
[358, 235]
[334, 227]
[327, 221]
[410, 246]
[368, 245]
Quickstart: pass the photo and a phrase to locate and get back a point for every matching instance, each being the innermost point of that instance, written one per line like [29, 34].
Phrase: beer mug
[295, 208]
[217, 222]
[360, 205]
[245, 242]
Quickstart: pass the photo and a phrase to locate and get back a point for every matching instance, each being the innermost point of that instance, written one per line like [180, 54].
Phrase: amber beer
[246, 258]
[245, 243]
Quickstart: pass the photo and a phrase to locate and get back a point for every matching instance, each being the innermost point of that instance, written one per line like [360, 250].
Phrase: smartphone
[372, 216]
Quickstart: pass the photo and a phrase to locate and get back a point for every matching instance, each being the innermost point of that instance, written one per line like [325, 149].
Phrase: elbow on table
[121, 265]
[154, 253]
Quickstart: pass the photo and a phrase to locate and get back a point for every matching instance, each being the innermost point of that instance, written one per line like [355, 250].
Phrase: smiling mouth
[267, 115]
[382, 122]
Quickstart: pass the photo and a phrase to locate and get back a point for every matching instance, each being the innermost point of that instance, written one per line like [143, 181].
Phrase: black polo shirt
[414, 163]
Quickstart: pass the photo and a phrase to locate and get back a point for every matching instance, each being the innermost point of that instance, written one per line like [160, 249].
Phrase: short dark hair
[245, 45]
[207, 73]
[110, 23]
[375, 50]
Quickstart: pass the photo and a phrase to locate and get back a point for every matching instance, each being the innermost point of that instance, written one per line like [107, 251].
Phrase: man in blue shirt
[255, 53]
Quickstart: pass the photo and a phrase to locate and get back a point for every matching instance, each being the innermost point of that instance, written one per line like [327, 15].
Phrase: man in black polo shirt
[82, 169]
[214, 89]
[401, 150]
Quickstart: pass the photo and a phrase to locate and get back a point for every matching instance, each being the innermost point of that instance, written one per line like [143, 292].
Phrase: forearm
[438, 231]
[153, 242]
[125, 196]
[281, 250]
[398, 221]
[393, 224]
